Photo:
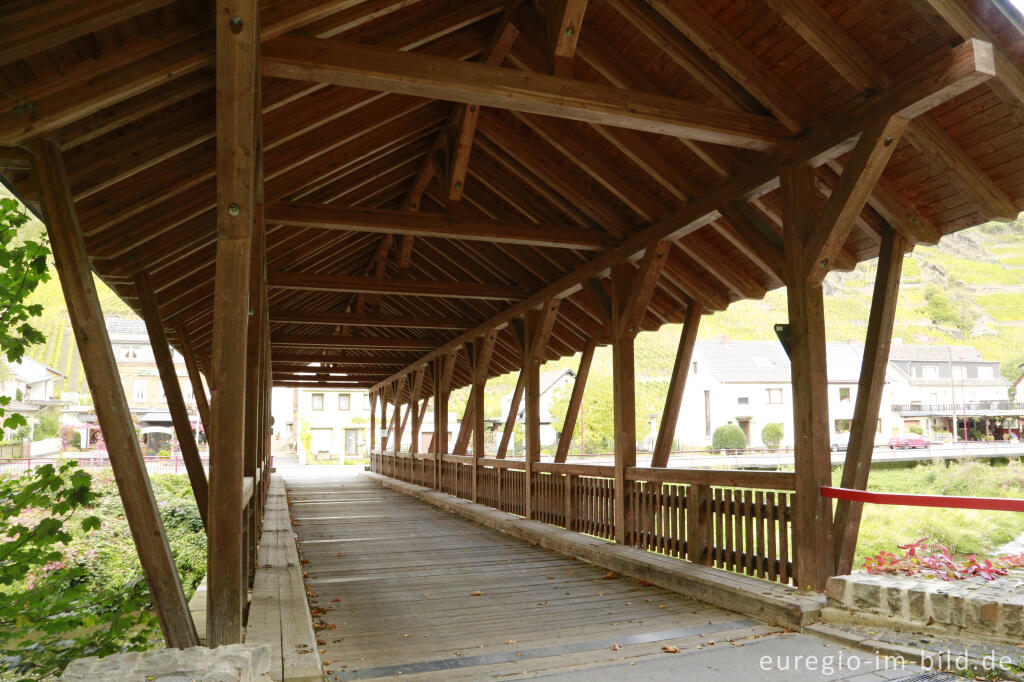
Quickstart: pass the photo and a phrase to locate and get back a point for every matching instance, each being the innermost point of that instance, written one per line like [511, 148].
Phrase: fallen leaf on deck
[670, 649]
[511, 641]
[336, 600]
[642, 582]
[615, 647]
[609, 574]
[476, 593]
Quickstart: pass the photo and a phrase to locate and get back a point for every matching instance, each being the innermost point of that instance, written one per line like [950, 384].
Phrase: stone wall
[233, 663]
[988, 609]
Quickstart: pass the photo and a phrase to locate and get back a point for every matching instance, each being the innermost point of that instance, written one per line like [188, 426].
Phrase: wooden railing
[735, 520]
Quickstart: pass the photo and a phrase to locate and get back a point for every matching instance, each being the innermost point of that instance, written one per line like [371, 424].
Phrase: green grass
[1004, 306]
[963, 531]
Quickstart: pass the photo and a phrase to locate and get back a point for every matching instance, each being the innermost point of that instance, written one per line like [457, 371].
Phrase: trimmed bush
[771, 435]
[728, 437]
[917, 429]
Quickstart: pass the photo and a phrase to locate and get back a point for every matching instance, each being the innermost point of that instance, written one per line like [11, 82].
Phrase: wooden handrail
[733, 478]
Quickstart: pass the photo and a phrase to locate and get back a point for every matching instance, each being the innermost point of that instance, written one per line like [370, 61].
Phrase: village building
[31, 386]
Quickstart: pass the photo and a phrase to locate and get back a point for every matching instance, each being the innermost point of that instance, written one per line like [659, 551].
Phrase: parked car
[910, 440]
[840, 441]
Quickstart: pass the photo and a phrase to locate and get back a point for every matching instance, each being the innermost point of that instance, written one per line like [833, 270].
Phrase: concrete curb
[776, 604]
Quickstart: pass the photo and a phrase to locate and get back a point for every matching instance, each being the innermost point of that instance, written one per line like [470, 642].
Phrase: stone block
[867, 596]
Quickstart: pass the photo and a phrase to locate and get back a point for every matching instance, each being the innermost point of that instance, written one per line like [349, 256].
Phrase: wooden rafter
[677, 384]
[407, 287]
[418, 224]
[572, 412]
[285, 315]
[966, 66]
[565, 19]
[391, 71]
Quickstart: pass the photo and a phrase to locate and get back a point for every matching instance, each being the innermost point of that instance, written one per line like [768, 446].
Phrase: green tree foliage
[22, 269]
[728, 437]
[47, 425]
[771, 435]
[52, 609]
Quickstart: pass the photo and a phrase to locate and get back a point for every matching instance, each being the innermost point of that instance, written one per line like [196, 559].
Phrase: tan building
[338, 421]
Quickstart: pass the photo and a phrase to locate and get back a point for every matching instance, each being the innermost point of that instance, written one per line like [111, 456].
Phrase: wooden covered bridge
[413, 196]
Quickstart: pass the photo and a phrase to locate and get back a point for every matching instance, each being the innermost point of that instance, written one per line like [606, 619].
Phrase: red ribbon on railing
[946, 501]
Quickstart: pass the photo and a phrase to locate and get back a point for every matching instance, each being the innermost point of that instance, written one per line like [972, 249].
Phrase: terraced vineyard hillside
[967, 290]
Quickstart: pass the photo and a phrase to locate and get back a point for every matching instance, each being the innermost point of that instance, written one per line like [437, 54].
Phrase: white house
[338, 421]
[30, 386]
[549, 384]
[939, 384]
[747, 383]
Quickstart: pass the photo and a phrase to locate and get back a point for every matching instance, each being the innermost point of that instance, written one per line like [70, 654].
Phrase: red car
[909, 441]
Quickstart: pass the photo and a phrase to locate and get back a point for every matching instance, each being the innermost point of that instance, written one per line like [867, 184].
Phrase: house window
[844, 395]
[139, 387]
[344, 401]
[774, 396]
[318, 401]
[930, 372]
[743, 400]
[707, 413]
[959, 372]
[694, 366]
[366, 401]
[985, 373]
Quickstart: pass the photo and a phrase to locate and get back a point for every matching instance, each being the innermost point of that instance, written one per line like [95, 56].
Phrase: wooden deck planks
[278, 611]
[396, 578]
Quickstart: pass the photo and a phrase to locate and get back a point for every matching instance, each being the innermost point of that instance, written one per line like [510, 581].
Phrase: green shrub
[917, 429]
[164, 454]
[728, 437]
[771, 435]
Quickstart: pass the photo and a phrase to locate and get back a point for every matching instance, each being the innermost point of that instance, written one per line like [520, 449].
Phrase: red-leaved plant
[935, 561]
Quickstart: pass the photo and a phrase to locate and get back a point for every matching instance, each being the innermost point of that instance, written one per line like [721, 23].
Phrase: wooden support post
[443, 368]
[483, 348]
[575, 401]
[112, 412]
[698, 524]
[373, 421]
[400, 387]
[239, 156]
[416, 415]
[624, 399]
[384, 421]
[255, 344]
[869, 395]
[192, 365]
[466, 425]
[538, 325]
[513, 416]
[670, 415]
[172, 391]
[812, 523]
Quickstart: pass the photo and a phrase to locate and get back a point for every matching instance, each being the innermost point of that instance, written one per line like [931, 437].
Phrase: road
[699, 459]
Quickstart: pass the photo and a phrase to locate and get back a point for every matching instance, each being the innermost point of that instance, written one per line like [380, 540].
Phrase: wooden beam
[466, 116]
[623, 398]
[812, 522]
[43, 25]
[565, 20]
[172, 392]
[307, 281]
[76, 279]
[399, 419]
[537, 327]
[748, 231]
[239, 158]
[483, 350]
[853, 62]
[192, 367]
[955, 72]
[436, 225]
[370, 68]
[862, 171]
[677, 384]
[642, 289]
[513, 416]
[285, 315]
[417, 415]
[373, 420]
[280, 340]
[335, 359]
[444, 367]
[869, 396]
[572, 413]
